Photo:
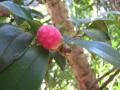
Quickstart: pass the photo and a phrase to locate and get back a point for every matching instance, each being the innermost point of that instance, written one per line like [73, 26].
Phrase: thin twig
[103, 76]
[109, 80]
[107, 73]
[30, 2]
[89, 6]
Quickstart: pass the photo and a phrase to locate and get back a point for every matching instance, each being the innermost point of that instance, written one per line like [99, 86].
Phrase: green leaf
[89, 20]
[13, 43]
[3, 19]
[7, 34]
[98, 30]
[97, 35]
[20, 2]
[20, 13]
[36, 14]
[100, 25]
[27, 72]
[102, 49]
[17, 10]
[2, 0]
[60, 60]
[77, 21]
[111, 12]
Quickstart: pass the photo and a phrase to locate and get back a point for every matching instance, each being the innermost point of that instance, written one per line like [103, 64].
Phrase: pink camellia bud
[49, 37]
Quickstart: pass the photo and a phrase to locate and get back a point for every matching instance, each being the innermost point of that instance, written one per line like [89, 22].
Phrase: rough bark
[59, 15]
[115, 4]
[74, 54]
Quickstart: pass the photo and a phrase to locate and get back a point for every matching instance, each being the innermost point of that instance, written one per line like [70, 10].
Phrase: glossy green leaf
[89, 20]
[102, 49]
[13, 43]
[37, 14]
[17, 10]
[27, 72]
[2, 0]
[97, 35]
[98, 30]
[100, 25]
[60, 60]
[7, 34]
[78, 21]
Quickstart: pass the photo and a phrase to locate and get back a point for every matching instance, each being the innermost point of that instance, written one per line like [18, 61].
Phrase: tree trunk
[75, 54]
[3, 11]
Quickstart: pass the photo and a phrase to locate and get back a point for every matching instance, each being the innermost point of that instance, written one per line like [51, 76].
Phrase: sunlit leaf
[100, 25]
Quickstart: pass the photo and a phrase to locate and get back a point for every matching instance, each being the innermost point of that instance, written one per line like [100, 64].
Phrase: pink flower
[49, 37]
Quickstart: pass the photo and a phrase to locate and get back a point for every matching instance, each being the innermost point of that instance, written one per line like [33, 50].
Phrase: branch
[100, 78]
[109, 80]
[107, 73]
[73, 54]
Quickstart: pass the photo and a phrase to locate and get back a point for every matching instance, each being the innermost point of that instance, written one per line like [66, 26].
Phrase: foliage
[24, 64]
